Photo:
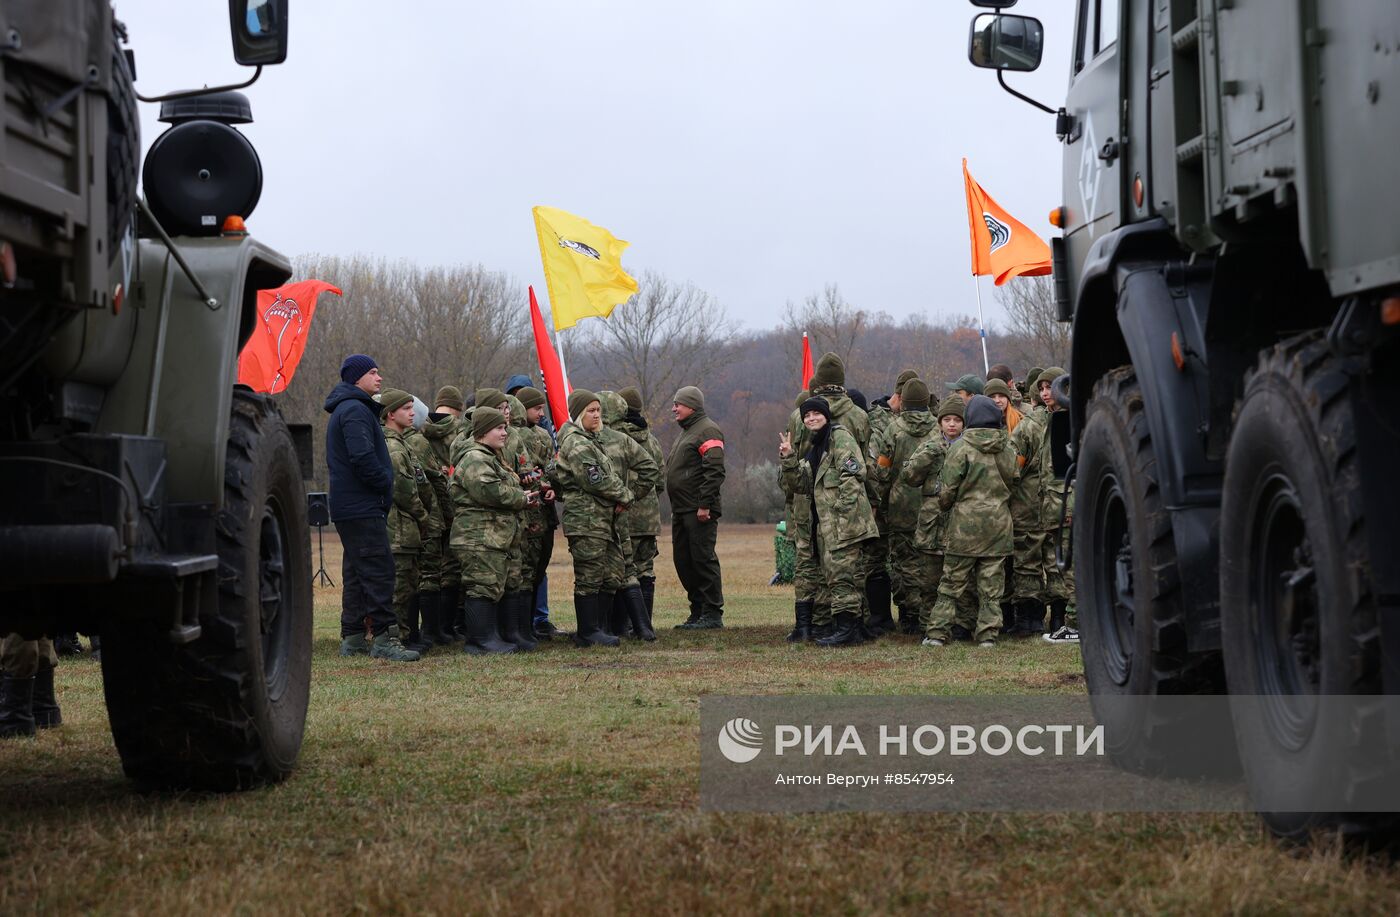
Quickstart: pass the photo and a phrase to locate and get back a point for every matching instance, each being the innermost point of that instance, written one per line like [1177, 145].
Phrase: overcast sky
[758, 148]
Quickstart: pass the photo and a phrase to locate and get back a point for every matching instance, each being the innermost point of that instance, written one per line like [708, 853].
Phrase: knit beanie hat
[816, 403]
[1033, 375]
[632, 397]
[355, 366]
[691, 397]
[484, 420]
[530, 396]
[490, 397]
[830, 371]
[996, 387]
[915, 395]
[904, 377]
[1049, 375]
[858, 398]
[579, 400]
[450, 396]
[953, 404]
[392, 398]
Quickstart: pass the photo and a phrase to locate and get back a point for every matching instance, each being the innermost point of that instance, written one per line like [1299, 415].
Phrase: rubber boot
[908, 620]
[482, 639]
[589, 609]
[637, 613]
[428, 608]
[617, 615]
[413, 640]
[519, 611]
[648, 584]
[877, 596]
[1033, 618]
[845, 631]
[46, 712]
[459, 619]
[16, 706]
[1057, 618]
[802, 628]
[1010, 623]
[448, 601]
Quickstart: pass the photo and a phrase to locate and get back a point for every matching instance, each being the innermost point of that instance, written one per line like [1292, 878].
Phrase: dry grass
[566, 782]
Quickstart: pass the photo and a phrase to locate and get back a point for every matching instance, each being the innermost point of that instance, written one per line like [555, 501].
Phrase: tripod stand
[322, 578]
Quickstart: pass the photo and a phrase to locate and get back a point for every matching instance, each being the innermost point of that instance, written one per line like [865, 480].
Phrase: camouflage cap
[952, 405]
[484, 420]
[967, 383]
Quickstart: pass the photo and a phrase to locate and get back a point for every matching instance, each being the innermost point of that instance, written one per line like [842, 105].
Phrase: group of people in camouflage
[952, 514]
[469, 513]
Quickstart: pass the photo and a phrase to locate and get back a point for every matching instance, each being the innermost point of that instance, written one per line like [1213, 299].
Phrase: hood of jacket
[916, 422]
[440, 426]
[346, 391]
[985, 440]
[519, 380]
[517, 411]
[614, 409]
[983, 413]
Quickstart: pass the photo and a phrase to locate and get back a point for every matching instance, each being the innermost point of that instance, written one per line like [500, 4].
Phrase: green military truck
[143, 495]
[1230, 260]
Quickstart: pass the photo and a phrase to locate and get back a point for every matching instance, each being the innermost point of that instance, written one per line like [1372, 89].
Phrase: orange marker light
[118, 297]
[1057, 218]
[1178, 357]
[1137, 190]
[9, 267]
[234, 224]
[1390, 310]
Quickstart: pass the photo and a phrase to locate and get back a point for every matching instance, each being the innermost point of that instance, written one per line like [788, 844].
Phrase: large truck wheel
[1131, 620]
[1298, 622]
[228, 710]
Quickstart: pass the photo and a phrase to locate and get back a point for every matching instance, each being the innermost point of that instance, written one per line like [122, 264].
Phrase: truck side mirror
[259, 29]
[1004, 42]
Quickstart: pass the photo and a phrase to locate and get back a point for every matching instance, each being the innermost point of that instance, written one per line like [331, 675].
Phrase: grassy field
[566, 781]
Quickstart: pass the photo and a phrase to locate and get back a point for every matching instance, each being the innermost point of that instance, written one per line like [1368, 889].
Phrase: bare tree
[832, 324]
[1030, 310]
[667, 335]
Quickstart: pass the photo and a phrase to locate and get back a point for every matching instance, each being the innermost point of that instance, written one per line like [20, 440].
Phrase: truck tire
[1298, 619]
[1131, 618]
[228, 710]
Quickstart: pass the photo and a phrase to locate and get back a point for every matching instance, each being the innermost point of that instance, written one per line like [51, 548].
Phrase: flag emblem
[587, 251]
[1001, 233]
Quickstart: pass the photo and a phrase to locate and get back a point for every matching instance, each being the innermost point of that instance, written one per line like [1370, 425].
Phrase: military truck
[1230, 261]
[143, 495]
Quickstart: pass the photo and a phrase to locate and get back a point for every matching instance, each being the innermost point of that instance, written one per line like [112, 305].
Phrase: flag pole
[563, 366]
[981, 326]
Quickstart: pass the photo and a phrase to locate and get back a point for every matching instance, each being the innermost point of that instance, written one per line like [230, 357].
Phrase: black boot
[46, 712]
[480, 617]
[909, 621]
[518, 610]
[1057, 615]
[802, 629]
[637, 613]
[1033, 618]
[448, 601]
[413, 640]
[67, 645]
[845, 631]
[589, 609]
[1009, 618]
[16, 706]
[617, 615]
[649, 596]
[689, 623]
[430, 608]
[458, 618]
[877, 596]
[821, 631]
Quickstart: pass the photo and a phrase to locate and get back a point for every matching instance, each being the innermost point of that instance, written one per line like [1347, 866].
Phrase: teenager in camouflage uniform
[408, 517]
[436, 500]
[487, 530]
[1059, 584]
[517, 623]
[921, 472]
[913, 425]
[443, 426]
[810, 599]
[974, 488]
[642, 475]
[883, 411]
[541, 522]
[644, 516]
[832, 474]
[594, 495]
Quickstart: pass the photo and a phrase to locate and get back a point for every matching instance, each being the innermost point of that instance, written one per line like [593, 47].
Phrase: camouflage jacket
[974, 488]
[437, 499]
[1028, 493]
[1053, 489]
[881, 418]
[837, 491]
[540, 445]
[892, 449]
[489, 501]
[920, 473]
[408, 516]
[640, 470]
[644, 516]
[585, 479]
[799, 511]
[857, 423]
[440, 431]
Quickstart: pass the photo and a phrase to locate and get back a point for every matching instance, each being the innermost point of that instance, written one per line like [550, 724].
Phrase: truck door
[1094, 147]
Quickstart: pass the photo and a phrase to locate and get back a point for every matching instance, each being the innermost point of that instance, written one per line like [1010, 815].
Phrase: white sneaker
[987, 643]
[1065, 634]
[932, 641]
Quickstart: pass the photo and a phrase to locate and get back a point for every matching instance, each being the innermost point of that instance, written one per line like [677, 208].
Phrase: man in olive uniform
[694, 474]
[27, 700]
[911, 427]
[644, 516]
[642, 475]
[539, 533]
[974, 488]
[408, 518]
[443, 426]
[436, 500]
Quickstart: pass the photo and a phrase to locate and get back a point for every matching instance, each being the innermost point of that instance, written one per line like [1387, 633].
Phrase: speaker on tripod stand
[318, 513]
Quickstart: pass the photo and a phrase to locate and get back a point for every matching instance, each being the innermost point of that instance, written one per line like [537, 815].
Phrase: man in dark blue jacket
[362, 487]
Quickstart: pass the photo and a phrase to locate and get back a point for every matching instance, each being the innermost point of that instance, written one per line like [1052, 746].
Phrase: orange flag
[270, 357]
[1001, 245]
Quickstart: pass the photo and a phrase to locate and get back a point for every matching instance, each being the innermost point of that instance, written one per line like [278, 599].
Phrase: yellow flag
[582, 267]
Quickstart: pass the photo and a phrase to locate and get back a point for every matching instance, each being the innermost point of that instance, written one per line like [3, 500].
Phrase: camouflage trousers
[430, 557]
[532, 549]
[1058, 585]
[969, 594]
[1028, 574]
[407, 574]
[808, 578]
[930, 573]
[644, 556]
[21, 658]
[485, 572]
[599, 564]
[905, 572]
[843, 578]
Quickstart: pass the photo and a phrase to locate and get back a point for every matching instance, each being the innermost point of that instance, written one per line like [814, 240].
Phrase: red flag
[806, 361]
[556, 390]
[269, 359]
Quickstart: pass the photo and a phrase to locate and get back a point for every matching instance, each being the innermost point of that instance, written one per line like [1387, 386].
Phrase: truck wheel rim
[273, 619]
[1114, 602]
